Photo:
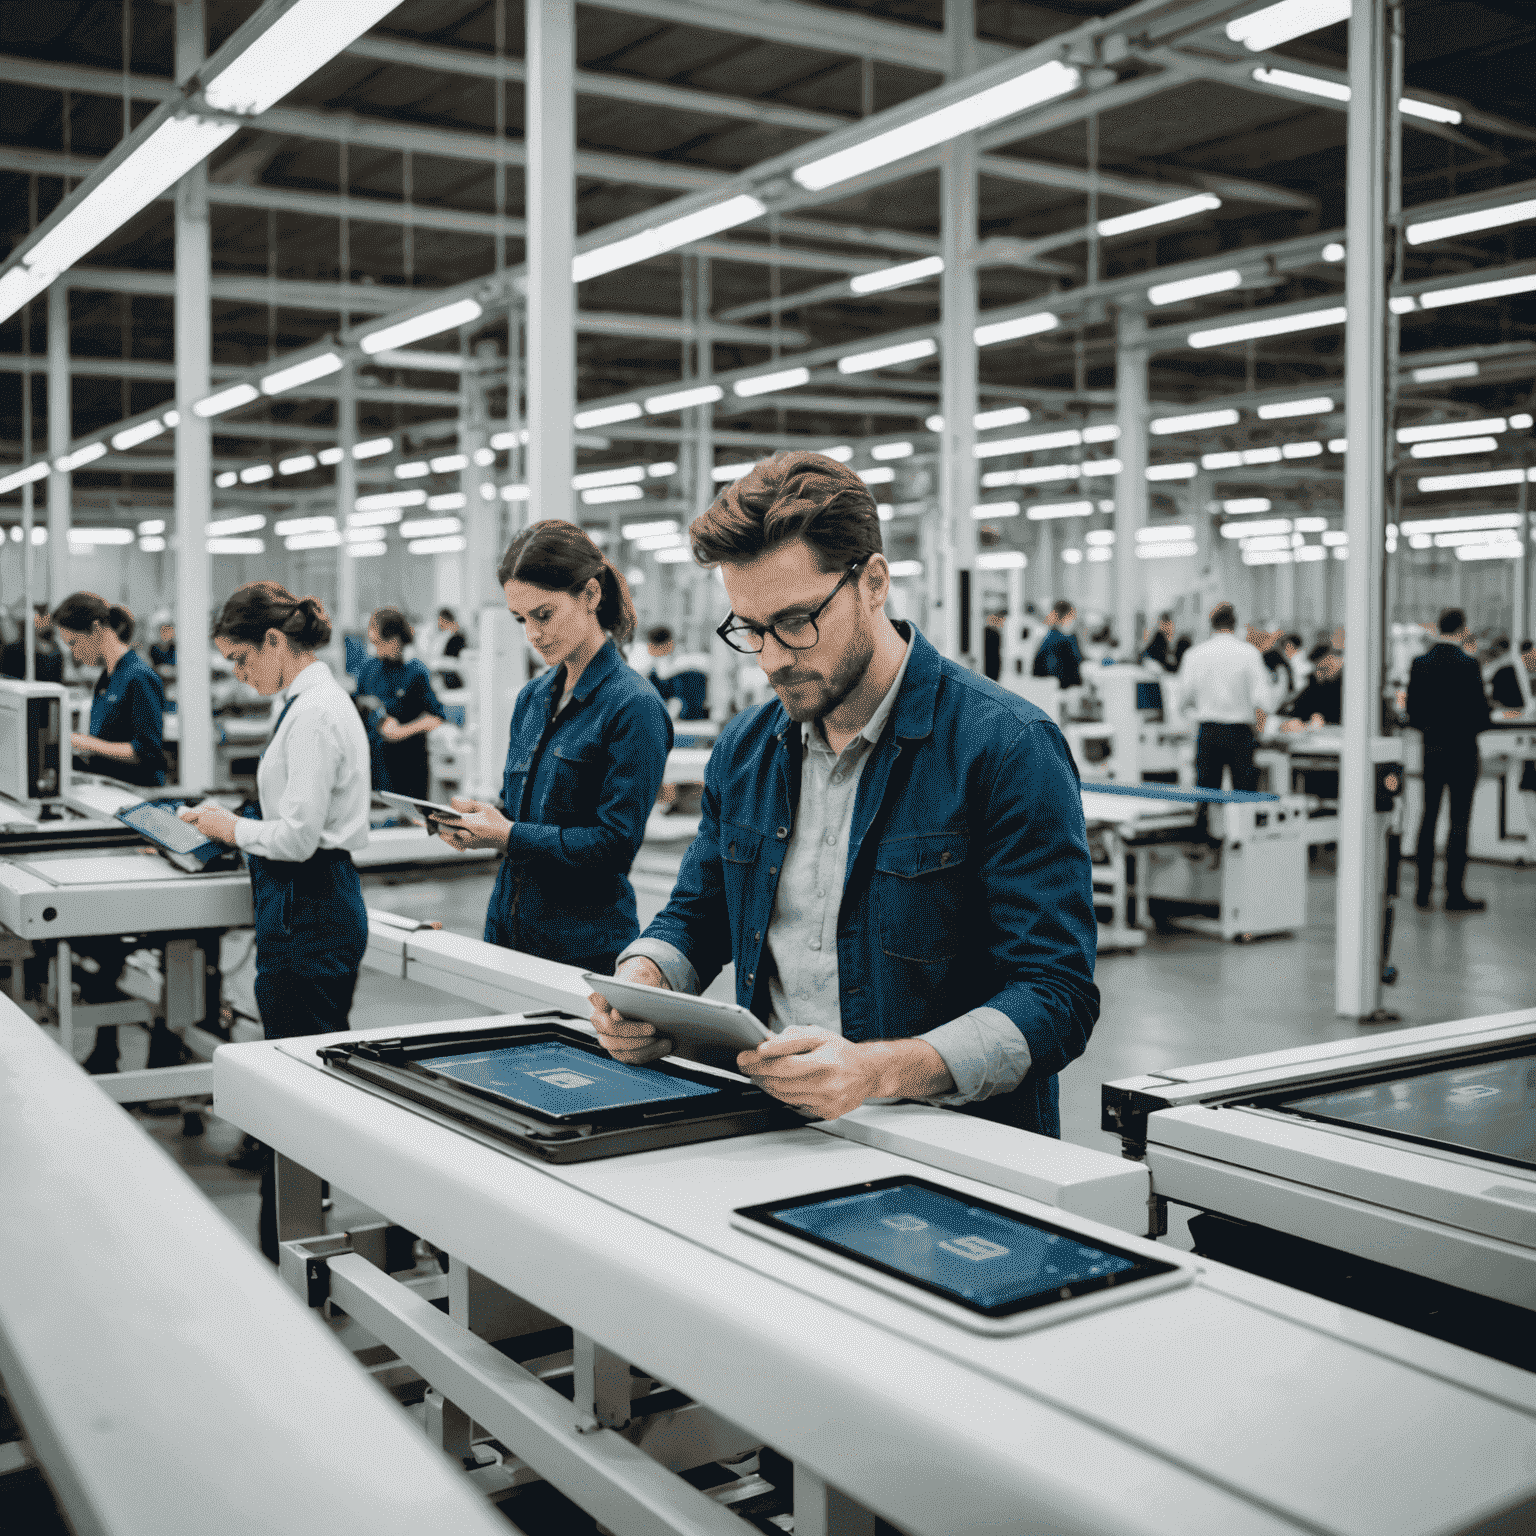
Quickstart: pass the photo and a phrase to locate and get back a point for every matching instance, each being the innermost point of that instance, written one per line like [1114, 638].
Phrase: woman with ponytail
[589, 746]
[127, 736]
[313, 785]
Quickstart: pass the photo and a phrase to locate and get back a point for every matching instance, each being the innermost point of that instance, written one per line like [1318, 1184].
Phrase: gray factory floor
[1183, 998]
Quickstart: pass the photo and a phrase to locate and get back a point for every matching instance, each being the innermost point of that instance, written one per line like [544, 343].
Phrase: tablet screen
[164, 827]
[980, 1256]
[558, 1079]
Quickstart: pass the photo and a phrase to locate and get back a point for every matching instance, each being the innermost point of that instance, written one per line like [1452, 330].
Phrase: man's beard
[815, 698]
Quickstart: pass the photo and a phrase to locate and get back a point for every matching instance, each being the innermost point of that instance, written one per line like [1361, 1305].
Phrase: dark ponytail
[560, 557]
[80, 611]
[262, 605]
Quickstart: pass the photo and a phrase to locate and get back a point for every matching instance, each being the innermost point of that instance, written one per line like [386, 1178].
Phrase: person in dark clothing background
[452, 646]
[1059, 656]
[1447, 706]
[49, 662]
[411, 708]
[992, 644]
[1159, 649]
[1321, 702]
[1278, 659]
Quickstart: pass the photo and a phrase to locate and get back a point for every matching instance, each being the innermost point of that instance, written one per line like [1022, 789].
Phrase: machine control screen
[563, 1080]
[1488, 1108]
[980, 1256]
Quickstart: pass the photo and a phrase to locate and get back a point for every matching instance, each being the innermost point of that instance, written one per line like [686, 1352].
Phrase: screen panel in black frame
[1487, 1108]
[166, 827]
[983, 1257]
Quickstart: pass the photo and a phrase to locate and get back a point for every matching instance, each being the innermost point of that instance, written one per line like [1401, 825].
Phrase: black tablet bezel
[203, 852]
[1144, 1269]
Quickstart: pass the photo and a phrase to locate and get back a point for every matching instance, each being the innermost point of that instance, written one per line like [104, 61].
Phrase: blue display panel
[558, 1079]
[973, 1254]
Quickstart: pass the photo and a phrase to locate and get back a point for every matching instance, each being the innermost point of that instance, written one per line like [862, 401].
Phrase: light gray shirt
[983, 1049]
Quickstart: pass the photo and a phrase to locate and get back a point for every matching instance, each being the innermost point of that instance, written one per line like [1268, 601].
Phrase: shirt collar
[877, 721]
[315, 675]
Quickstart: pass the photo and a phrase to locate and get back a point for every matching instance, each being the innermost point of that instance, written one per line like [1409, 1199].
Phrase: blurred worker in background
[127, 736]
[680, 677]
[411, 708]
[588, 749]
[1321, 702]
[450, 647]
[1159, 647]
[992, 643]
[1224, 685]
[1059, 655]
[1447, 705]
[48, 659]
[162, 652]
[1278, 656]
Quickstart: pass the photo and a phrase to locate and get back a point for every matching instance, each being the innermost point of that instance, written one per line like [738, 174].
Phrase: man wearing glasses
[893, 855]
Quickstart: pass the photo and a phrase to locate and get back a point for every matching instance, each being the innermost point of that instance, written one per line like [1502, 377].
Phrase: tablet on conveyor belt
[701, 1023]
[178, 840]
[544, 1088]
[1486, 1108]
[977, 1264]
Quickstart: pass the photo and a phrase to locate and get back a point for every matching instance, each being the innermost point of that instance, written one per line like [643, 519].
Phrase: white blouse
[314, 782]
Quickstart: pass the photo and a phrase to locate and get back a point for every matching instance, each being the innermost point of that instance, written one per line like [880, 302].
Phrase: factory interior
[768, 765]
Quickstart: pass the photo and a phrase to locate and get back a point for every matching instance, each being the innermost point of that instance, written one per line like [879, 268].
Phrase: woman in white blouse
[313, 785]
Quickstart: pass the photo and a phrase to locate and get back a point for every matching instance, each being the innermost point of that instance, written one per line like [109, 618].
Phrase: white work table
[1227, 1406]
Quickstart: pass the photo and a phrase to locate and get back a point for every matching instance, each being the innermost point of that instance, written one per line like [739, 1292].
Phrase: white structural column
[704, 415]
[60, 425]
[1131, 483]
[481, 517]
[346, 496]
[1357, 973]
[194, 439]
[550, 133]
[954, 583]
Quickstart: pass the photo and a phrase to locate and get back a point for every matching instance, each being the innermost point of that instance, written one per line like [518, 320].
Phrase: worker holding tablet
[893, 855]
[589, 746]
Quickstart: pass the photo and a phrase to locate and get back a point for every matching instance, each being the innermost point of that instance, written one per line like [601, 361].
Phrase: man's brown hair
[793, 495]
[1224, 617]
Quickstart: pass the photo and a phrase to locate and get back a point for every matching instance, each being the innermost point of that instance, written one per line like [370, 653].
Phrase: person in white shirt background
[313, 787]
[1223, 682]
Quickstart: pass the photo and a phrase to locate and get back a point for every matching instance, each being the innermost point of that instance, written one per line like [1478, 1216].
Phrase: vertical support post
[63, 995]
[194, 439]
[1519, 610]
[481, 517]
[299, 1212]
[821, 1510]
[28, 506]
[1013, 632]
[1372, 116]
[704, 415]
[60, 428]
[955, 581]
[551, 138]
[346, 495]
[1131, 484]
[602, 1382]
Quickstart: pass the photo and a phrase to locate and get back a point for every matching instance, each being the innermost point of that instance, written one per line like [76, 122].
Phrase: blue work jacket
[129, 705]
[968, 881]
[579, 788]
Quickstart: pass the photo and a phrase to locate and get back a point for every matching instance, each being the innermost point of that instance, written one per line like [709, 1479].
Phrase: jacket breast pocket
[574, 776]
[919, 895]
[739, 850]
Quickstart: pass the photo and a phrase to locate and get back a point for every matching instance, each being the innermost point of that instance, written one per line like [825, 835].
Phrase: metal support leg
[64, 996]
[488, 1310]
[821, 1510]
[298, 1200]
[447, 1426]
[602, 1383]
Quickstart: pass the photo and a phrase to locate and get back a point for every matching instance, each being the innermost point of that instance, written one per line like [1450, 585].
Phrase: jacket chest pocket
[572, 779]
[739, 850]
[919, 895]
[512, 782]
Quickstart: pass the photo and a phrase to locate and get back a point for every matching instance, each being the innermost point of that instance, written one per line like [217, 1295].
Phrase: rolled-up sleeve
[985, 1054]
[668, 959]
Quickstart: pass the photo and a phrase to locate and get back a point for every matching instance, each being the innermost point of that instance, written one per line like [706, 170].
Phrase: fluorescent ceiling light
[313, 541]
[360, 551]
[153, 544]
[1071, 557]
[1100, 555]
[101, 535]
[237, 546]
[226, 479]
[1338, 445]
[647, 530]
[1476, 536]
[446, 318]
[595, 477]
[1450, 448]
[884, 511]
[293, 526]
[995, 509]
[1048, 511]
[1099, 536]
[1226, 460]
[1333, 251]
[1266, 557]
[897, 277]
[431, 528]
[1245, 504]
[656, 541]
[1431, 110]
[1002, 560]
[81, 456]
[1522, 421]
[254, 474]
[677, 554]
[298, 465]
[449, 501]
[1475, 481]
[891, 451]
[1172, 471]
[1403, 305]
[1094, 467]
[1195, 287]
[1275, 24]
[390, 499]
[514, 493]
[131, 437]
[989, 106]
[412, 471]
[606, 415]
[1271, 455]
[1284, 325]
[683, 399]
[330, 455]
[1319, 405]
[228, 525]
[1012, 330]
[741, 209]
[723, 472]
[304, 372]
[1429, 525]
[1159, 213]
[1165, 533]
[767, 383]
[152, 525]
[1105, 432]
[1309, 524]
[449, 463]
[1490, 552]
[1335, 540]
[661, 471]
[1008, 416]
[842, 453]
[1173, 550]
[226, 400]
[1040, 474]
[607, 493]
[1309, 552]
[1451, 429]
[172, 419]
[1472, 293]
[887, 357]
[1195, 423]
[880, 475]
[900, 568]
[1301, 450]
[451, 545]
[373, 448]
[1311, 85]
[382, 517]
[1039, 442]
[1469, 223]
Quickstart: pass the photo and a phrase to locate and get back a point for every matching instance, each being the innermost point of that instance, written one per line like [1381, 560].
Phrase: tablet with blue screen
[982, 1259]
[178, 840]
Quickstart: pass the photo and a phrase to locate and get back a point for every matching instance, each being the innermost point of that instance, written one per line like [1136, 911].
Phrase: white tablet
[428, 810]
[692, 1021]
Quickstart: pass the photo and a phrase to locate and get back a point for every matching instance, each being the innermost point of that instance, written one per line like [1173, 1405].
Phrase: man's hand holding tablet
[628, 1039]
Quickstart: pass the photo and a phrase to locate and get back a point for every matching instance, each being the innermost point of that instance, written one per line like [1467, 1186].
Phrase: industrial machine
[1150, 742]
[34, 742]
[1502, 829]
[911, 1335]
[1395, 1173]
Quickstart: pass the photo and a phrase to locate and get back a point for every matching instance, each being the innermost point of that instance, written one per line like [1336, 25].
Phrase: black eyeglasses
[794, 634]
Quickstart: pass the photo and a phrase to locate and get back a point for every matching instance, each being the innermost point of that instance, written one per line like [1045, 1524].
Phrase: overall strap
[292, 700]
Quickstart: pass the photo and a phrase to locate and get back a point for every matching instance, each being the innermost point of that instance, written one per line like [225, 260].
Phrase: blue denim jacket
[968, 881]
[579, 788]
